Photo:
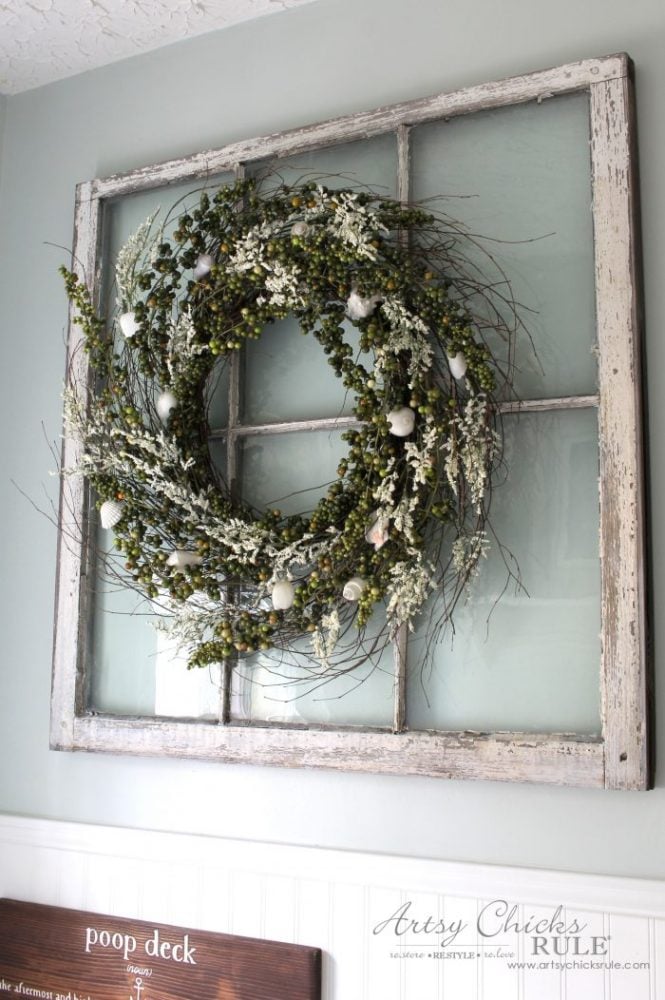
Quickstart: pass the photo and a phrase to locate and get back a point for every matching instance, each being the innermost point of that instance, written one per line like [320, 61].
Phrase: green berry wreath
[407, 513]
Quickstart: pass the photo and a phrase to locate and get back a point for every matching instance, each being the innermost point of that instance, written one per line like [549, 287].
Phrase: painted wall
[334, 57]
[3, 115]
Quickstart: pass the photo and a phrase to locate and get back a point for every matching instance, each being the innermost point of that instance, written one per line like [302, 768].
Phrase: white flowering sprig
[409, 588]
[132, 257]
[470, 448]
[184, 344]
[355, 223]
[406, 514]
[325, 638]
[410, 336]
[467, 551]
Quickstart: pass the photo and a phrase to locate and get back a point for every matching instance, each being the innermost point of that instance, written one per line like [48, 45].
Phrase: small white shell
[110, 513]
[402, 421]
[299, 229]
[180, 558]
[353, 588]
[377, 534]
[283, 595]
[203, 266]
[128, 324]
[457, 365]
[166, 402]
[359, 308]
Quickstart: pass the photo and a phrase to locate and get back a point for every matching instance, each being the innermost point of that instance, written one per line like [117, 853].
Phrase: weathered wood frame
[618, 758]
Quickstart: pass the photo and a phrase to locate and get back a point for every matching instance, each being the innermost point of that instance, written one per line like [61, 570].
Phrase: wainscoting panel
[391, 928]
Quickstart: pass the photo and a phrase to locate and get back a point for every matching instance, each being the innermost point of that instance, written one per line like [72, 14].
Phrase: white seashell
[128, 324]
[110, 513]
[203, 266]
[377, 534]
[457, 365]
[359, 308]
[299, 229]
[180, 558]
[402, 421]
[353, 588]
[283, 595]
[166, 402]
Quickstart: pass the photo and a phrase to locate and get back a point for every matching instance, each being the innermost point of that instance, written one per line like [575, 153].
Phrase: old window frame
[619, 757]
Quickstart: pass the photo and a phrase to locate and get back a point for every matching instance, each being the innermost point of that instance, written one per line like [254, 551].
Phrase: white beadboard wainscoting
[337, 900]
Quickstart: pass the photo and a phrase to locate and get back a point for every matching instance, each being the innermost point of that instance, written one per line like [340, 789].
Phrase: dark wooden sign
[51, 953]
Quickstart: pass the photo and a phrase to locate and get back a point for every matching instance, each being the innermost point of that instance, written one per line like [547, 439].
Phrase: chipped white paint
[47, 40]
[619, 758]
[622, 503]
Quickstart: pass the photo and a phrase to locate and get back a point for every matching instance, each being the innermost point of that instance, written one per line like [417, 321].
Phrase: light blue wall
[330, 58]
[3, 115]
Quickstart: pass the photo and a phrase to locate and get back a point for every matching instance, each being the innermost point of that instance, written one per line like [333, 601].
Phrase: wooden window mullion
[401, 637]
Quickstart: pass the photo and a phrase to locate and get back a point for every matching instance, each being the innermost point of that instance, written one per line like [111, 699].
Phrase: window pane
[217, 394]
[521, 662]
[290, 471]
[271, 687]
[135, 670]
[521, 176]
[125, 215]
[287, 377]
[368, 163]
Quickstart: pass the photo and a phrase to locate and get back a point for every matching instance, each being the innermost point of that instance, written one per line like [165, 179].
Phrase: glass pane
[135, 669]
[293, 688]
[521, 176]
[290, 471]
[368, 163]
[526, 659]
[219, 458]
[125, 215]
[217, 394]
[287, 377]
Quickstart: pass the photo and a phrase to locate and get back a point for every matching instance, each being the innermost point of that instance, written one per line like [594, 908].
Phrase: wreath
[407, 513]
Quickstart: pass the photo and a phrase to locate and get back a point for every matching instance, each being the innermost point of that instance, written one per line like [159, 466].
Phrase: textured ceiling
[46, 40]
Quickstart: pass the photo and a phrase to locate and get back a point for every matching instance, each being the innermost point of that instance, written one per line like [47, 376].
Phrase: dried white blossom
[421, 457]
[407, 333]
[355, 224]
[469, 449]
[385, 491]
[189, 622]
[250, 251]
[283, 284]
[324, 639]
[407, 591]
[467, 551]
[131, 257]
[402, 517]
[183, 344]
